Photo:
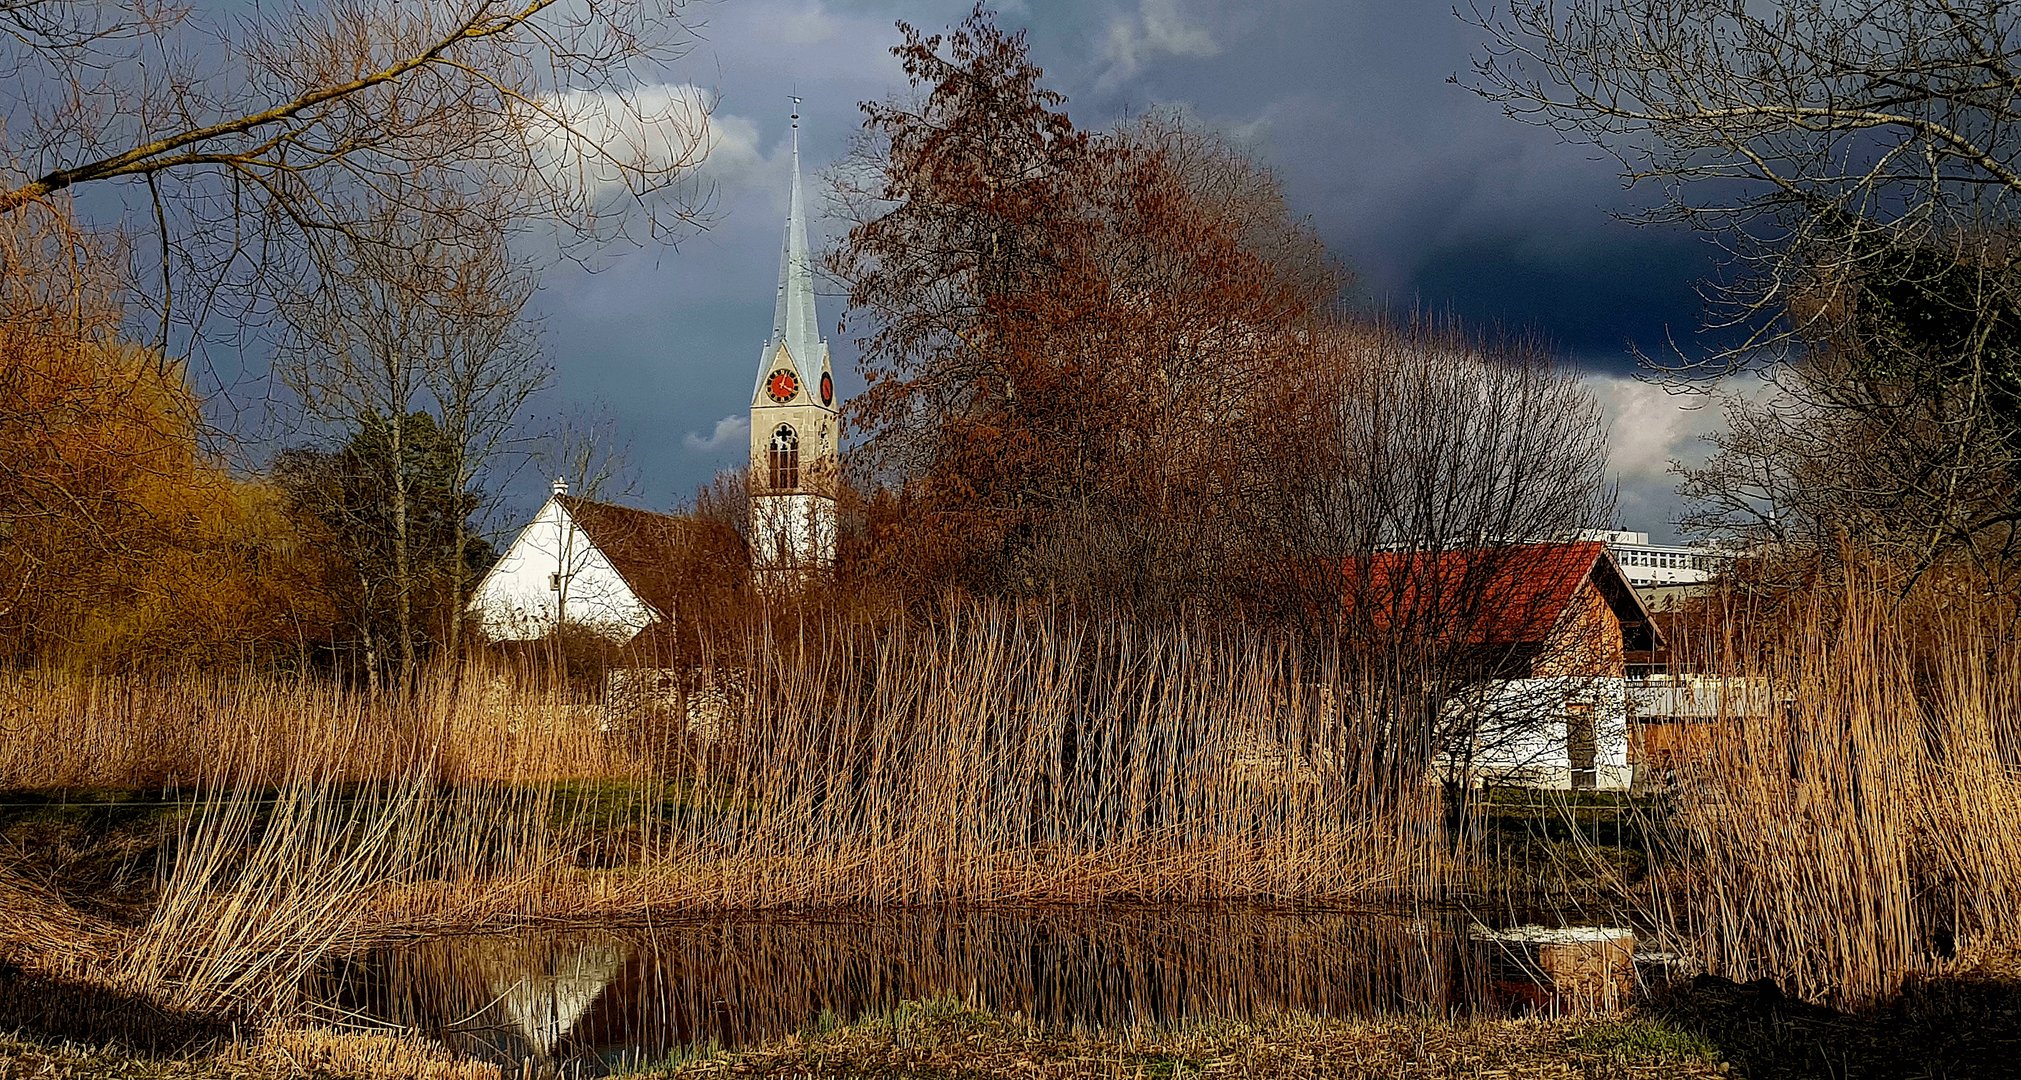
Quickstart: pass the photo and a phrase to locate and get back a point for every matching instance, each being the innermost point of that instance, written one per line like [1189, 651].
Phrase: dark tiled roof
[655, 553]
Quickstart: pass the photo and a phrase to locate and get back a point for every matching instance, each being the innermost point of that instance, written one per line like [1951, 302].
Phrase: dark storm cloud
[1425, 190]
[1592, 303]
[1428, 192]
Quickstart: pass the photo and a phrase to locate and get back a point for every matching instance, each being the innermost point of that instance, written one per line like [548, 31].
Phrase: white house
[1546, 628]
[611, 569]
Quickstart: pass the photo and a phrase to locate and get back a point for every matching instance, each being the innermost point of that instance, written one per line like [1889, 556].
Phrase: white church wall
[793, 532]
[551, 569]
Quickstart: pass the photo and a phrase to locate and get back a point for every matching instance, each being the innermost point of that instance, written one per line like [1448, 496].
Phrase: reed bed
[1856, 832]
[988, 756]
[1862, 822]
[33, 922]
[214, 730]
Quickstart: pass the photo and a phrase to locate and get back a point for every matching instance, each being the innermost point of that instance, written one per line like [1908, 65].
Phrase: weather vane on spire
[795, 98]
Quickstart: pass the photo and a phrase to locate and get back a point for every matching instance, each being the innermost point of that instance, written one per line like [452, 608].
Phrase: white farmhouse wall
[1522, 733]
[519, 600]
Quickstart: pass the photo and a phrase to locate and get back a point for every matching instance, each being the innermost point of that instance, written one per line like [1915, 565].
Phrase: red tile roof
[1504, 596]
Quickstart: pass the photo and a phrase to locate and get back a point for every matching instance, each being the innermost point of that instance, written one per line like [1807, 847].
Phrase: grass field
[943, 1039]
[1963, 1026]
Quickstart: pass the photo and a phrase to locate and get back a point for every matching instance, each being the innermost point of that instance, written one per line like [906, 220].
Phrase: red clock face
[780, 385]
[827, 389]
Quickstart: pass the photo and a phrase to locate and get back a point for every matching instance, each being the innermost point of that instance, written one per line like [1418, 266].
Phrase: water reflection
[582, 1002]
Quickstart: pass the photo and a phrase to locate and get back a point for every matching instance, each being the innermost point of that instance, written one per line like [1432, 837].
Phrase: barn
[1542, 632]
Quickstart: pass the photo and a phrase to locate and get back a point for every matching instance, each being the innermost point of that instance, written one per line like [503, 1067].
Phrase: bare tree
[1424, 466]
[488, 364]
[587, 450]
[1821, 138]
[411, 320]
[1861, 163]
[1445, 438]
[258, 142]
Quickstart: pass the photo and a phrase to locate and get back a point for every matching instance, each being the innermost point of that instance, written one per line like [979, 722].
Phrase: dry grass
[271, 1053]
[945, 1039]
[1870, 822]
[991, 757]
[941, 1039]
[217, 730]
[34, 922]
[365, 1055]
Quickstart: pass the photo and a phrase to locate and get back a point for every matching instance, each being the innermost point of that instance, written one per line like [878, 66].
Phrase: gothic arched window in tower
[784, 459]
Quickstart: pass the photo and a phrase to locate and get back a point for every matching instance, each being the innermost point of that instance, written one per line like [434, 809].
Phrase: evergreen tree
[351, 492]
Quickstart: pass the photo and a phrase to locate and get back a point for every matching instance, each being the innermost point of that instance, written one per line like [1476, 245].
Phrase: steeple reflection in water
[581, 1002]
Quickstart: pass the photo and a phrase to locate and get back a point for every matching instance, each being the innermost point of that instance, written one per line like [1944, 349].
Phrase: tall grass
[1865, 825]
[208, 729]
[1868, 821]
[262, 884]
[991, 755]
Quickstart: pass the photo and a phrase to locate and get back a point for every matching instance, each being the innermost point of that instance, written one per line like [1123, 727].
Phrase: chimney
[560, 486]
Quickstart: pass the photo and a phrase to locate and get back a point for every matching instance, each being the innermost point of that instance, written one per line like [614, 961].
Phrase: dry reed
[1867, 821]
[35, 922]
[990, 756]
[1834, 842]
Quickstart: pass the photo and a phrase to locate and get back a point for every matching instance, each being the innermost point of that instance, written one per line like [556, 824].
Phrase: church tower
[794, 421]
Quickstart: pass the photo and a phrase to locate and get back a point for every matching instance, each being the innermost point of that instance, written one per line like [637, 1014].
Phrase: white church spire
[794, 322]
[795, 426]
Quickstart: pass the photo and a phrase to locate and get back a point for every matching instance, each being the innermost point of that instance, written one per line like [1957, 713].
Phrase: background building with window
[1662, 572]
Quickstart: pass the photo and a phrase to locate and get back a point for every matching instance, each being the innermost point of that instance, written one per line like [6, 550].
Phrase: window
[784, 458]
[554, 582]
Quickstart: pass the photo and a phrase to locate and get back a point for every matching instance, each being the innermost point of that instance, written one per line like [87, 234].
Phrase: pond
[585, 1002]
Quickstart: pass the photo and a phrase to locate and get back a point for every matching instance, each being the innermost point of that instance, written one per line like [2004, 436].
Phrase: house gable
[554, 570]
[1588, 639]
[614, 569]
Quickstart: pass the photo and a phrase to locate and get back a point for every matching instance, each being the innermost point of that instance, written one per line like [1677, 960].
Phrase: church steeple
[794, 322]
[795, 429]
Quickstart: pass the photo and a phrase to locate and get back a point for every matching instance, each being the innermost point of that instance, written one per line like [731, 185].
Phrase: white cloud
[1157, 27]
[731, 431]
[590, 138]
[1653, 429]
[810, 24]
[1652, 426]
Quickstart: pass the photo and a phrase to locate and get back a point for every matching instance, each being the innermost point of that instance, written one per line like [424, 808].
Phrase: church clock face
[827, 389]
[781, 385]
